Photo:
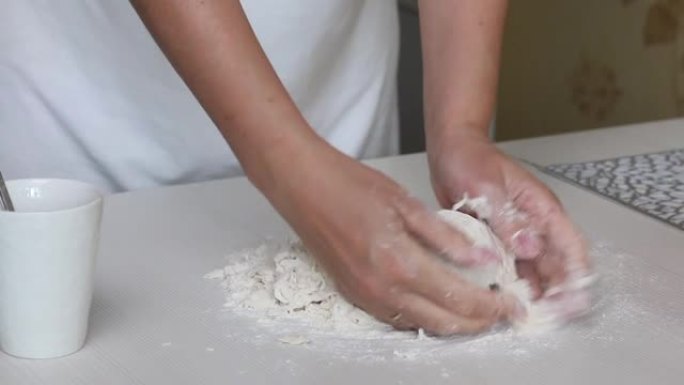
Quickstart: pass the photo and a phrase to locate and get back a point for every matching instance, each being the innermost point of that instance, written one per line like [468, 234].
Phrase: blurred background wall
[570, 65]
[580, 64]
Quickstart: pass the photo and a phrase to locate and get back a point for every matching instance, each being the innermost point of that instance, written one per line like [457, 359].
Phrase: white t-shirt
[85, 92]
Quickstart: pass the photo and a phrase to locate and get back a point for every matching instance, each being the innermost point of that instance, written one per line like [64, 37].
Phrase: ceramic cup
[47, 260]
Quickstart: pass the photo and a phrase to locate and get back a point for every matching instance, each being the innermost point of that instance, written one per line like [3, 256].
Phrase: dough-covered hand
[522, 211]
[386, 252]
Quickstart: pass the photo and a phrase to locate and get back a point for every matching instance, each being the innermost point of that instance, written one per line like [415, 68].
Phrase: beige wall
[578, 64]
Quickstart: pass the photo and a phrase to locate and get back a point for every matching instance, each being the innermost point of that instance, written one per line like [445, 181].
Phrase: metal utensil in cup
[5, 200]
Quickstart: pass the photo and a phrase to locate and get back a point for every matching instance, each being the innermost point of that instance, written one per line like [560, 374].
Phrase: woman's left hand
[522, 211]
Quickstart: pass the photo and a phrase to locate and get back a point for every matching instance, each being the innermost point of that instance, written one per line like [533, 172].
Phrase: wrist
[278, 169]
[449, 138]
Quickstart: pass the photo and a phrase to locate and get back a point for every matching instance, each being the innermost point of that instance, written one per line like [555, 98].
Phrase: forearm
[461, 41]
[213, 48]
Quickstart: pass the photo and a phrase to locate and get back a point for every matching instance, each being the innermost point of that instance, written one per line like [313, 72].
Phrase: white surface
[154, 316]
[47, 259]
[600, 144]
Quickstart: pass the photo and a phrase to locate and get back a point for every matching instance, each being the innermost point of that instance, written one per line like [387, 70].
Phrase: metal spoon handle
[5, 199]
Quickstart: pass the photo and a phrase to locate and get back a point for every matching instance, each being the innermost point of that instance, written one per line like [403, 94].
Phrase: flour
[629, 295]
[540, 315]
[294, 340]
[478, 205]
[283, 282]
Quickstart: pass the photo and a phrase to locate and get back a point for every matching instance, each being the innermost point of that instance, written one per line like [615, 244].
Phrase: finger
[439, 236]
[383, 310]
[435, 320]
[399, 320]
[546, 215]
[400, 311]
[564, 238]
[565, 260]
[444, 286]
[568, 305]
[527, 270]
[515, 228]
[566, 256]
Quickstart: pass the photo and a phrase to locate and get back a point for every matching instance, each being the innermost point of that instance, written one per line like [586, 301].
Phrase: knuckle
[540, 197]
[461, 306]
[395, 267]
[553, 209]
[409, 207]
[549, 206]
[489, 313]
[465, 308]
[371, 290]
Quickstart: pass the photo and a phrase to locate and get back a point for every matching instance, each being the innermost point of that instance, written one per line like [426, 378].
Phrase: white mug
[47, 261]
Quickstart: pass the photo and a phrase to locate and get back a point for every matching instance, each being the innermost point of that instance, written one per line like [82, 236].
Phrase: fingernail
[571, 304]
[553, 293]
[527, 244]
[483, 256]
[580, 280]
[576, 304]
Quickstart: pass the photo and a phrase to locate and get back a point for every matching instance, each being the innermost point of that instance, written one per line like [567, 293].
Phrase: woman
[298, 91]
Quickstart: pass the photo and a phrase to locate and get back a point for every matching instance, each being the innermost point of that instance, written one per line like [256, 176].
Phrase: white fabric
[85, 93]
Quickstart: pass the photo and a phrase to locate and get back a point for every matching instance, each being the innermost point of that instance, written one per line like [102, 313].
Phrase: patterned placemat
[651, 183]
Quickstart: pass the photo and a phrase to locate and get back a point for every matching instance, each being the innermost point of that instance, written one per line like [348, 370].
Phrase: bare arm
[376, 241]
[461, 49]
[213, 48]
[461, 42]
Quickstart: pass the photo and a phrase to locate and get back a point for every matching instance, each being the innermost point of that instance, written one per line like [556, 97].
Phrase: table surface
[156, 320]
[599, 144]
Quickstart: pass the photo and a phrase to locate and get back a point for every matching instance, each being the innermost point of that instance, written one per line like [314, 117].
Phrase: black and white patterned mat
[650, 183]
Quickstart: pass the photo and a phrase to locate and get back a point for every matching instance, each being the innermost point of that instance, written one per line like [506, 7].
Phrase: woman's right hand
[377, 243]
[385, 251]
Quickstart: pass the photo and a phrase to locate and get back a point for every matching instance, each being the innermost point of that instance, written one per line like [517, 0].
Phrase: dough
[499, 274]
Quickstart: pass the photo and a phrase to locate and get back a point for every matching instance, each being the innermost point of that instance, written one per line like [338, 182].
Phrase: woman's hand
[521, 210]
[386, 252]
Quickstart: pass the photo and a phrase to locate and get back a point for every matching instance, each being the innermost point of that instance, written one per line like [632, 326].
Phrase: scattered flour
[319, 319]
[283, 282]
[294, 339]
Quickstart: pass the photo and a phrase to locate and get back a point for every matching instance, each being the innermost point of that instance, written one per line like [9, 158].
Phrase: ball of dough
[499, 274]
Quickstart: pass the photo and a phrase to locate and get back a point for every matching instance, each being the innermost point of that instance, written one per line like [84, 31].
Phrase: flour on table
[284, 282]
[630, 294]
[294, 340]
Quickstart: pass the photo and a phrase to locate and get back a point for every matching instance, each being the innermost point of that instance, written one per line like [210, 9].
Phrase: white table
[600, 144]
[155, 320]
